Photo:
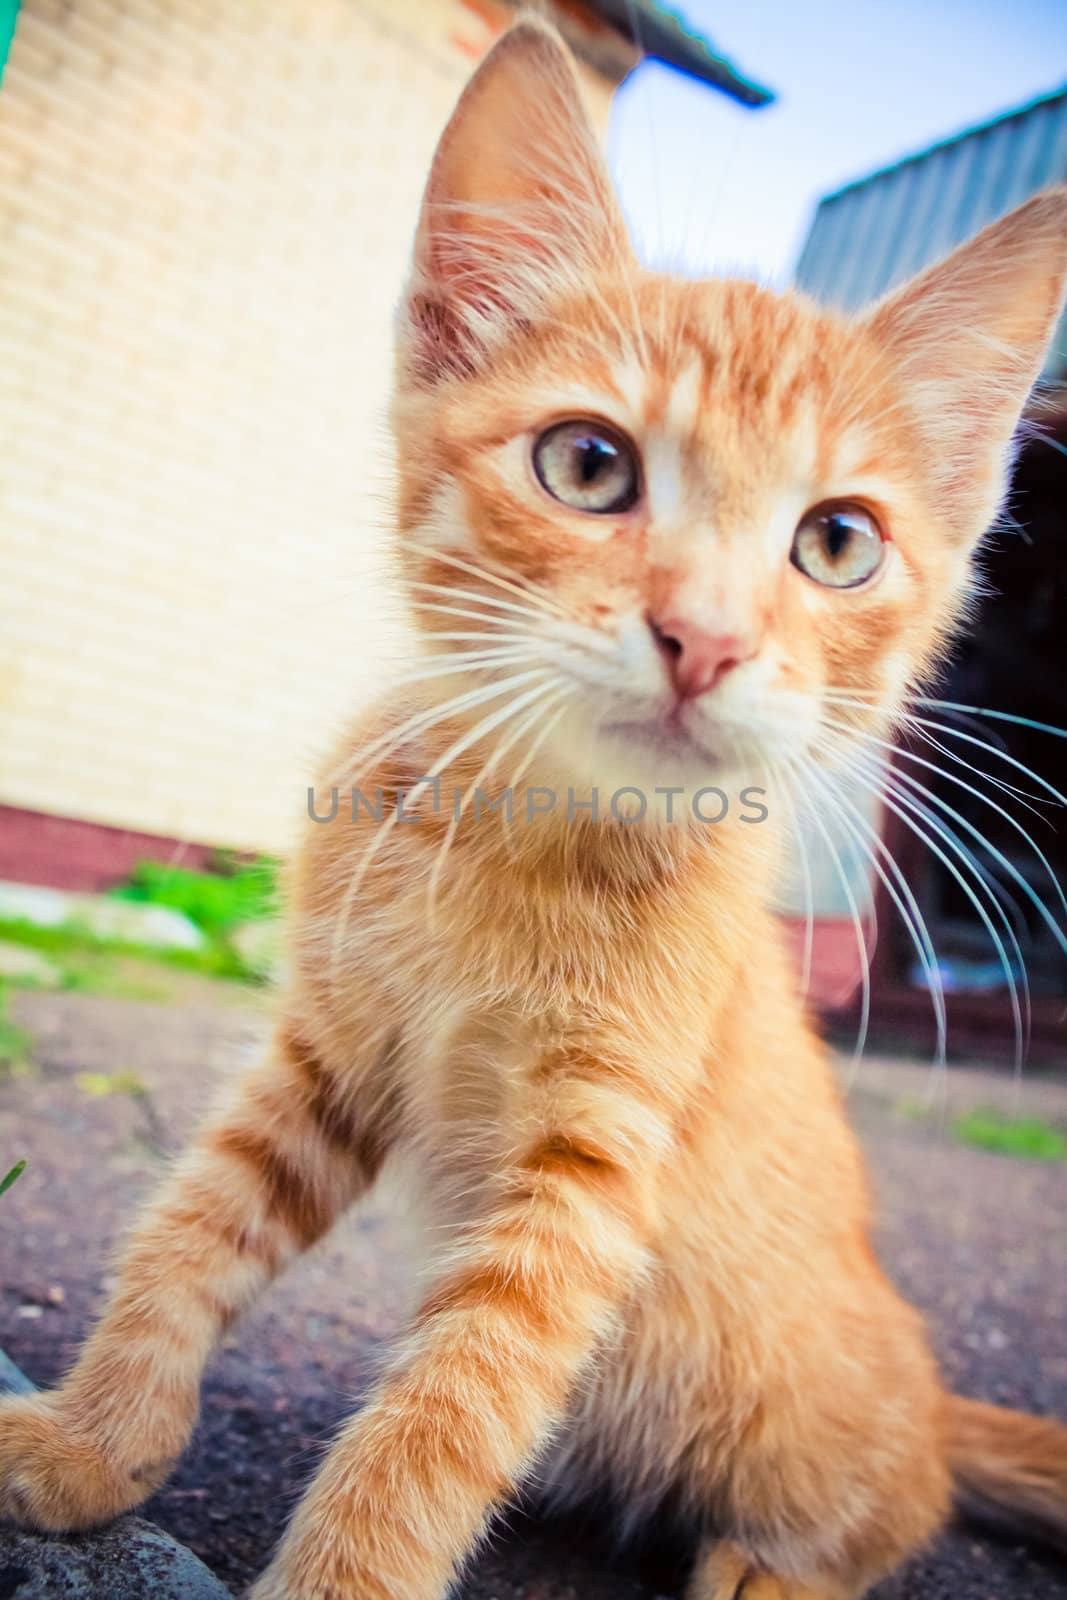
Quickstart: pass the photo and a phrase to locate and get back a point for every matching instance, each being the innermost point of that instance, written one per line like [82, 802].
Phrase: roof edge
[662, 32]
[943, 144]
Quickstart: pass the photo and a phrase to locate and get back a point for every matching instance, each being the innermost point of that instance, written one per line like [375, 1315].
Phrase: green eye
[588, 466]
[839, 546]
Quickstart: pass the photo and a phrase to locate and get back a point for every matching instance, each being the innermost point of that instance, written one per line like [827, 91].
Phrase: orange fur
[1009, 1468]
[651, 1266]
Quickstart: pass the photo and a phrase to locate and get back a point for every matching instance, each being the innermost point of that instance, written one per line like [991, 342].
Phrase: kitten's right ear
[518, 204]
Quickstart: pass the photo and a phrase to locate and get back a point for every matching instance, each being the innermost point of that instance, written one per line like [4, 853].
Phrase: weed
[11, 1177]
[98, 1085]
[217, 902]
[1028, 1137]
[14, 1041]
[71, 943]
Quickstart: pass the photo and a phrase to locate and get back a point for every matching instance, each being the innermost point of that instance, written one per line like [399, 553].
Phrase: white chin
[651, 754]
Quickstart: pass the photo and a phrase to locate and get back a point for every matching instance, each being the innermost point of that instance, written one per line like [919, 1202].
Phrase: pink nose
[697, 658]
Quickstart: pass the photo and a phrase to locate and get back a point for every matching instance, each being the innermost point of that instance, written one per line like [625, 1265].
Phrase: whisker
[805, 868]
[983, 879]
[999, 716]
[911, 915]
[861, 943]
[523, 590]
[1022, 795]
[489, 635]
[987, 800]
[907, 809]
[457, 748]
[995, 887]
[551, 629]
[553, 691]
[923, 725]
[872, 700]
[421, 721]
[931, 795]
[504, 624]
[997, 855]
[453, 592]
[454, 664]
[914, 719]
[526, 760]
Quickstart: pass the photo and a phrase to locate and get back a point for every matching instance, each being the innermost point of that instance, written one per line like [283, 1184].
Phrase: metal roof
[660, 31]
[874, 233]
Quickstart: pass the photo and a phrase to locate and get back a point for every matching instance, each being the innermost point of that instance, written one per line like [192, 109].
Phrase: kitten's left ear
[518, 205]
[967, 338]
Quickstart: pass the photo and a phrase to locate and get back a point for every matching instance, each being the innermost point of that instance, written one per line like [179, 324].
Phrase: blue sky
[708, 184]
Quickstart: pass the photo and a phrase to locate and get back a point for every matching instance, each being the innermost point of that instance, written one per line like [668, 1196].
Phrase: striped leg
[264, 1179]
[410, 1483]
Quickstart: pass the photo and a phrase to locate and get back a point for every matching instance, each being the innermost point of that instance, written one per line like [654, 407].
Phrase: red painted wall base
[67, 853]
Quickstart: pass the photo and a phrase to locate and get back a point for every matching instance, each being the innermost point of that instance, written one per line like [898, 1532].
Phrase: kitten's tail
[1010, 1470]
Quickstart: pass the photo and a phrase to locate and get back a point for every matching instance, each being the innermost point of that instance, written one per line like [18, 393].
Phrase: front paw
[54, 1477]
[329, 1570]
[278, 1585]
[272, 1586]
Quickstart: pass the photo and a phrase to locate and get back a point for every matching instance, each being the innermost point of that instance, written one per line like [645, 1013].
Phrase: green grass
[82, 956]
[99, 1085]
[12, 1177]
[14, 1041]
[95, 971]
[217, 902]
[1028, 1137]
[14, 1053]
[910, 1110]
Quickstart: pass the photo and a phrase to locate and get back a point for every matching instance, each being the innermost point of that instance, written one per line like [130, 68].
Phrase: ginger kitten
[649, 530]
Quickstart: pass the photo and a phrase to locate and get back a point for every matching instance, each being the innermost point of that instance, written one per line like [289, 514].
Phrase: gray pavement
[977, 1240]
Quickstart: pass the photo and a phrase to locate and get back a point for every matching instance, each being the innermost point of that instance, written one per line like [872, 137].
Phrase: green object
[221, 903]
[14, 1041]
[16, 1172]
[9, 10]
[1010, 1136]
[68, 942]
[216, 901]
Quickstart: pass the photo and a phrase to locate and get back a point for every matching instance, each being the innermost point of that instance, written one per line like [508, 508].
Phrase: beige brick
[205, 213]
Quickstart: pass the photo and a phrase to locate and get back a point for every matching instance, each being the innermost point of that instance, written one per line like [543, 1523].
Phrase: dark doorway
[1013, 660]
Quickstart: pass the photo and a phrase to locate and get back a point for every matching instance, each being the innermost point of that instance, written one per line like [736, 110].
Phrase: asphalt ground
[977, 1240]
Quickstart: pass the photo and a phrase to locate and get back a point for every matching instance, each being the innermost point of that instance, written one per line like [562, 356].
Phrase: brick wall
[205, 212]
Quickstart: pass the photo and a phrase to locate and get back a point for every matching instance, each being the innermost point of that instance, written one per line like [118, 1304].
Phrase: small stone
[129, 1560]
[12, 1381]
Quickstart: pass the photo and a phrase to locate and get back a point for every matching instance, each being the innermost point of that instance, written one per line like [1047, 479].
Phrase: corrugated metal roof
[876, 232]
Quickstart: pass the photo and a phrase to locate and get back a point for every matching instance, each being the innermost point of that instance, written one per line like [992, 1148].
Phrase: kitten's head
[673, 530]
